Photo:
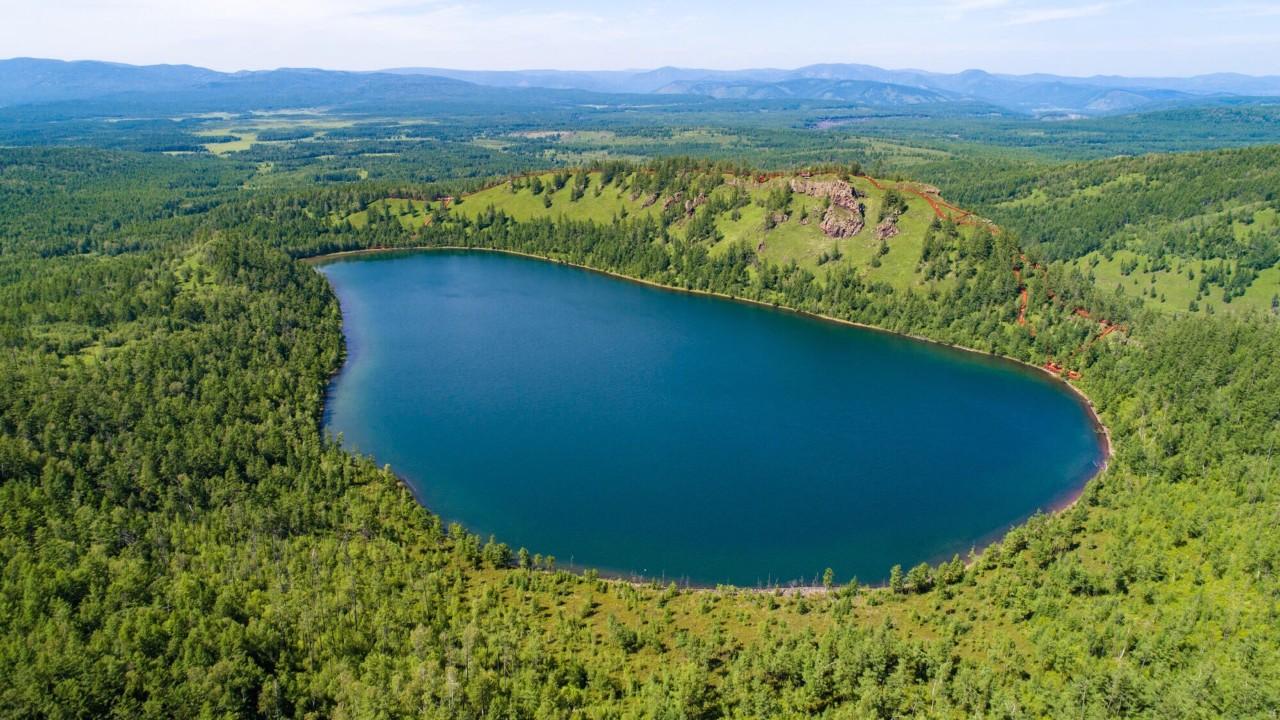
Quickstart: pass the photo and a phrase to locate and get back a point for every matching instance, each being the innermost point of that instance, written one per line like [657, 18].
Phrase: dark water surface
[638, 430]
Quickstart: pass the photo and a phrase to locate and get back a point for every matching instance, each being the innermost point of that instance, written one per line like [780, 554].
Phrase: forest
[179, 539]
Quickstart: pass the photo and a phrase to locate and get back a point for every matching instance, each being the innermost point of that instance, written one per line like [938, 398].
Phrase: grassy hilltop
[764, 213]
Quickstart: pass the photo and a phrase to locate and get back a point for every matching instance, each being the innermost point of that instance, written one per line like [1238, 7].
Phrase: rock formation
[844, 215]
[887, 228]
[838, 222]
[690, 204]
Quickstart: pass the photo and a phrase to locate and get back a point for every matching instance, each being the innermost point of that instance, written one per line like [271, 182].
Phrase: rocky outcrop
[841, 193]
[844, 216]
[838, 222]
[887, 228]
[690, 204]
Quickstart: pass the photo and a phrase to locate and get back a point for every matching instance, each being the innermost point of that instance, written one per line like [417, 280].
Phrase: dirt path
[1022, 297]
[941, 208]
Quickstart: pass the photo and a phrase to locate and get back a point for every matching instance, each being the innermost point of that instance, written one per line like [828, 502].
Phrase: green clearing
[269, 132]
[1182, 233]
[1169, 282]
[1173, 289]
[597, 204]
[244, 140]
[410, 213]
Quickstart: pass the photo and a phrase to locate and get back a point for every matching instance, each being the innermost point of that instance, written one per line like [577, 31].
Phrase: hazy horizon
[1116, 37]
[1028, 71]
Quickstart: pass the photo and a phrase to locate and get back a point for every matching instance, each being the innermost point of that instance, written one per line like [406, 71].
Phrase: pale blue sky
[1132, 37]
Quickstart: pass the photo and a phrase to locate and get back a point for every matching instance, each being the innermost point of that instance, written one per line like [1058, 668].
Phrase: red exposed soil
[1107, 327]
[941, 208]
[1056, 369]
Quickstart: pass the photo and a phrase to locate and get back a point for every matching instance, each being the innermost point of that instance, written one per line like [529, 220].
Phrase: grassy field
[1172, 283]
[597, 204]
[1176, 288]
[249, 133]
[410, 213]
[244, 140]
[1184, 233]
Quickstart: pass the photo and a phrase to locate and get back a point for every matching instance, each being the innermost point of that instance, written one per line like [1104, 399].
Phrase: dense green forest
[178, 539]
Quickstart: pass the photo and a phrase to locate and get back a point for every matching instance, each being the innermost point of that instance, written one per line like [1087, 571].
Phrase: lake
[642, 431]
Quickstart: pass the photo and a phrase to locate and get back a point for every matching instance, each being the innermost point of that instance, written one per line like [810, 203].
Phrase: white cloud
[402, 10]
[1036, 16]
[967, 6]
[1255, 10]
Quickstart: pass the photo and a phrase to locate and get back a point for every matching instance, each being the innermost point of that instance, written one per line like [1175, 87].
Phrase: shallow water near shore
[643, 431]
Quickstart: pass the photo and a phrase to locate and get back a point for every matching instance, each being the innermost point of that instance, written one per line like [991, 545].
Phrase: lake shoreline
[1061, 504]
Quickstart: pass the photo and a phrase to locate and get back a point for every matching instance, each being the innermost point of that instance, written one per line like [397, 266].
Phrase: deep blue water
[638, 430]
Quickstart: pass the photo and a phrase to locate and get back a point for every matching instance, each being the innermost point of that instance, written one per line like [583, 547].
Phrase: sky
[1124, 37]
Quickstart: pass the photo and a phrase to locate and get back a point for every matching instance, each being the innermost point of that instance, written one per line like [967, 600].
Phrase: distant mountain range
[1038, 93]
[53, 89]
[26, 81]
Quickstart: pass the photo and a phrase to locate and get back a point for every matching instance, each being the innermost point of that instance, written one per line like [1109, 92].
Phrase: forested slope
[178, 540]
[1188, 233]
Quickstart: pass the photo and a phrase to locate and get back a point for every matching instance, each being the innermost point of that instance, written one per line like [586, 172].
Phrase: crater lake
[648, 432]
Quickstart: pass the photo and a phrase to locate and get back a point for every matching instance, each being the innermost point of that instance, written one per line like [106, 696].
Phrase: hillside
[32, 80]
[1186, 233]
[781, 218]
